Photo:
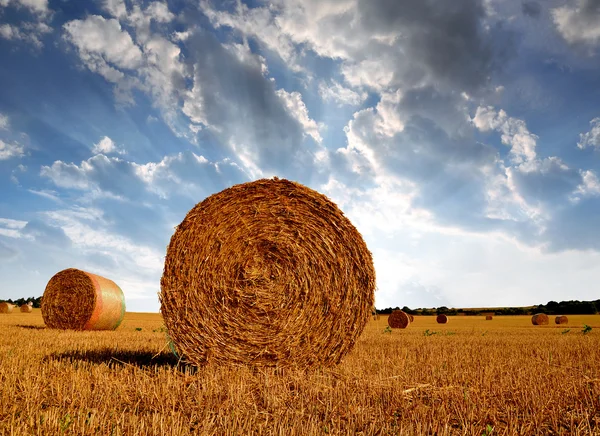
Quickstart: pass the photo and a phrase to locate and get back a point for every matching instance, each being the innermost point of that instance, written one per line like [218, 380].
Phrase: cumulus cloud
[100, 39]
[579, 23]
[591, 138]
[297, 109]
[386, 44]
[9, 150]
[31, 32]
[514, 132]
[105, 146]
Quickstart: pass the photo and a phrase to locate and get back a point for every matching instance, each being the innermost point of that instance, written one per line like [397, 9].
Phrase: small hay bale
[80, 300]
[561, 319]
[398, 319]
[26, 308]
[489, 317]
[412, 318]
[6, 308]
[268, 273]
[442, 319]
[539, 319]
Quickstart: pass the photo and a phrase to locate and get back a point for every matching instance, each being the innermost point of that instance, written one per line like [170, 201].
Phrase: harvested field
[126, 382]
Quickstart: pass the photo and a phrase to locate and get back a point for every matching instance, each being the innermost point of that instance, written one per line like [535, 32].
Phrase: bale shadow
[121, 358]
[31, 327]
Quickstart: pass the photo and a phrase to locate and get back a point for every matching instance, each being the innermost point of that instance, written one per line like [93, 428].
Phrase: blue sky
[461, 138]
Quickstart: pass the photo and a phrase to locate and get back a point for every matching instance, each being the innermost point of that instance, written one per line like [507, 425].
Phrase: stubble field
[471, 377]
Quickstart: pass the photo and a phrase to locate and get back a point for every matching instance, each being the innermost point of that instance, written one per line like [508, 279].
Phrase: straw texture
[26, 308]
[442, 319]
[266, 273]
[411, 317]
[6, 308]
[398, 320]
[561, 319]
[539, 319]
[80, 300]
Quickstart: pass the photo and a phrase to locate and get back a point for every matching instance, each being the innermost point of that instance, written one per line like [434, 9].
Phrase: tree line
[571, 307]
[37, 302]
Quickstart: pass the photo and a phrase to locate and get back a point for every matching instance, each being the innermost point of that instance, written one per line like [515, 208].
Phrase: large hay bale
[489, 317]
[80, 300]
[398, 319]
[539, 319]
[26, 308]
[6, 308]
[266, 273]
[442, 319]
[561, 319]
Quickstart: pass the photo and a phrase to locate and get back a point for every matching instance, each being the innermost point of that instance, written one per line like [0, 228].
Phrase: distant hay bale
[561, 319]
[26, 308]
[412, 318]
[80, 300]
[442, 319]
[539, 319]
[489, 317]
[266, 273]
[6, 308]
[399, 319]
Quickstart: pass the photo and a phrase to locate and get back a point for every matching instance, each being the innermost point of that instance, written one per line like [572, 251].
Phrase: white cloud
[298, 110]
[514, 132]
[185, 174]
[98, 37]
[591, 138]
[580, 23]
[39, 7]
[340, 94]
[86, 228]
[590, 185]
[31, 32]
[9, 150]
[159, 12]
[11, 227]
[4, 124]
[116, 8]
[105, 146]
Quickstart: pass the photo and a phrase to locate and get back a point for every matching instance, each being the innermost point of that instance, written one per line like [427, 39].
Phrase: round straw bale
[489, 317]
[561, 319]
[6, 308]
[398, 319]
[80, 300]
[266, 273]
[539, 319]
[442, 319]
[26, 308]
[412, 318]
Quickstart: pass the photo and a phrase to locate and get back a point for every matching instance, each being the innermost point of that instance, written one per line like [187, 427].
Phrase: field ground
[470, 376]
